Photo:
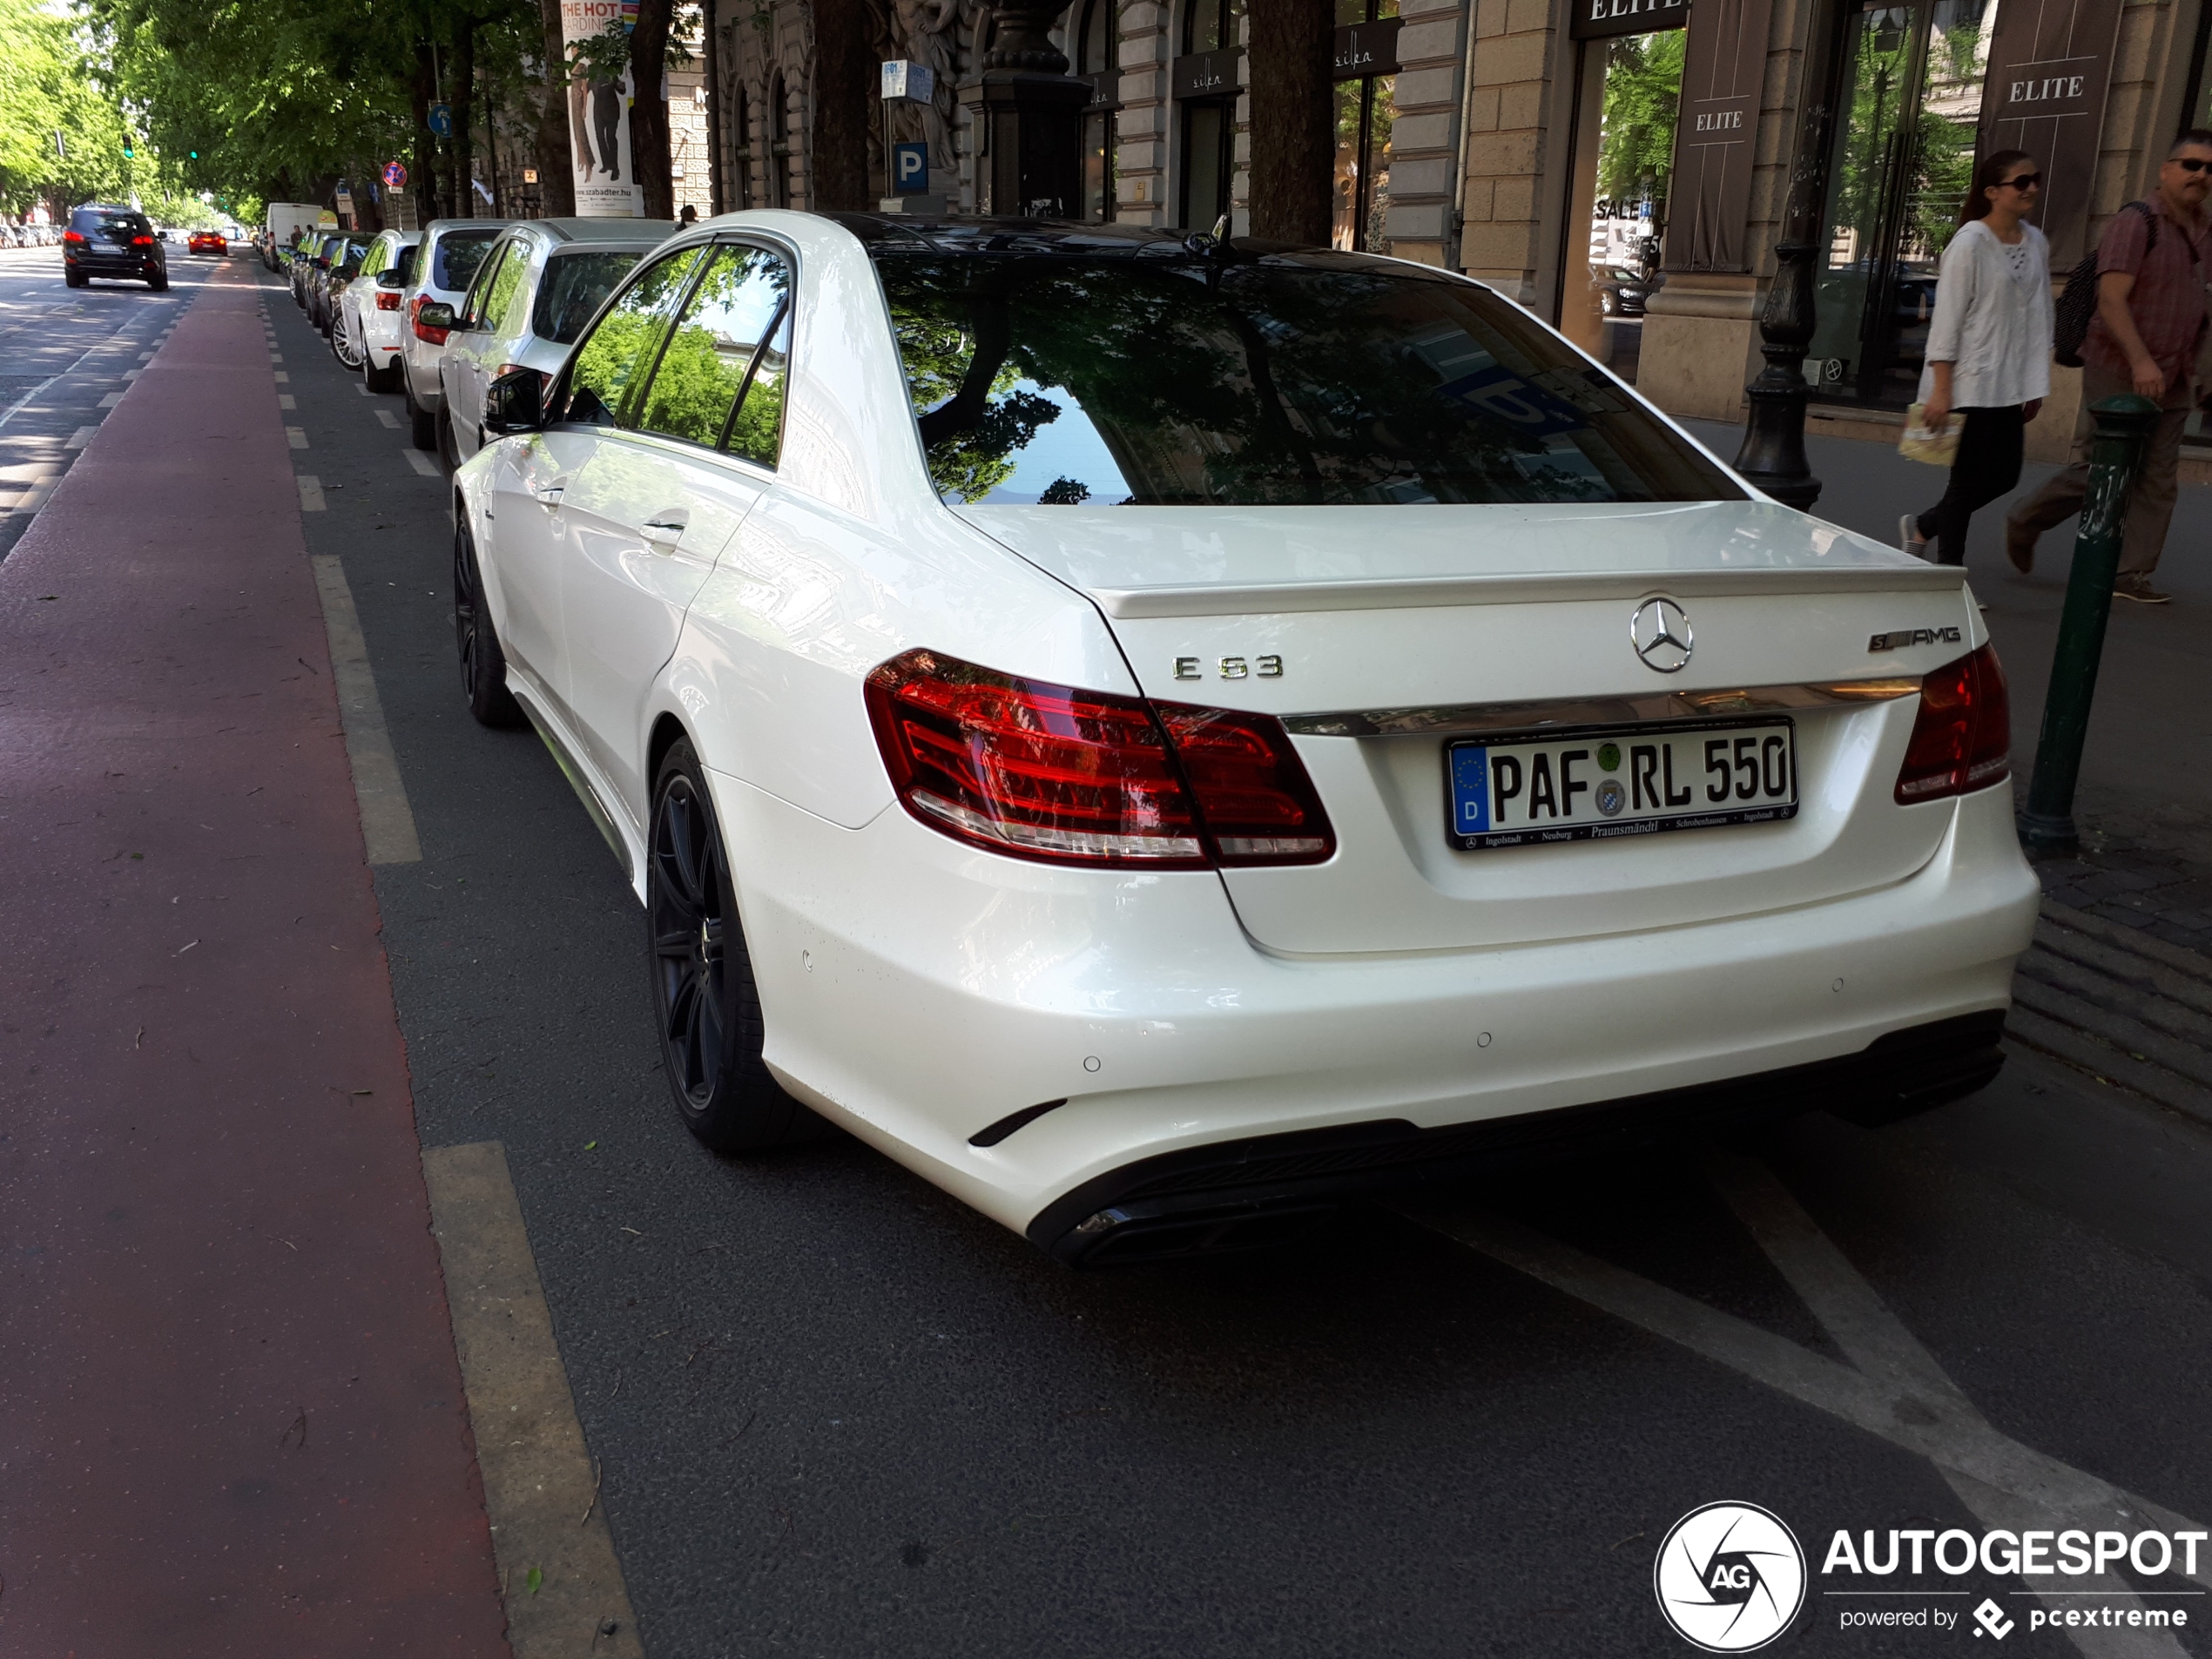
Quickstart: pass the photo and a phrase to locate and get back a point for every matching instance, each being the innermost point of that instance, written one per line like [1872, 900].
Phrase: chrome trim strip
[1239, 599]
[1637, 709]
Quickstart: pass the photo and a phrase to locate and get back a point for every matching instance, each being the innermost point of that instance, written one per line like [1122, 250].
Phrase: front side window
[574, 286]
[723, 369]
[1293, 379]
[499, 297]
[618, 349]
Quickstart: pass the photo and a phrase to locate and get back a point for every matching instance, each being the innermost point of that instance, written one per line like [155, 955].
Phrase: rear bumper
[1238, 1193]
[921, 992]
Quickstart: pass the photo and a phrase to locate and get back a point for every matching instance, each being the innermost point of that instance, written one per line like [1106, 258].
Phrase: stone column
[1027, 114]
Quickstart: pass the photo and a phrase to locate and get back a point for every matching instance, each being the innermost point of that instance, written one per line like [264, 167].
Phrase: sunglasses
[2025, 181]
[2191, 164]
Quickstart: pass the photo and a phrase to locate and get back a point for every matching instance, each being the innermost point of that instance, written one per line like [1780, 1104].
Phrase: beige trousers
[2150, 503]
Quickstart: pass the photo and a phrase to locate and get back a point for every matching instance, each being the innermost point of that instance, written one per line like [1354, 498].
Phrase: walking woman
[1989, 348]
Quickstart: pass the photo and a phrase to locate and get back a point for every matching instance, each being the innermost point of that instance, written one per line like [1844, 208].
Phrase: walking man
[2150, 320]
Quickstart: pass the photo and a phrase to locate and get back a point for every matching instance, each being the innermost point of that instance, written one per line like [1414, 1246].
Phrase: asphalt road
[62, 351]
[837, 1414]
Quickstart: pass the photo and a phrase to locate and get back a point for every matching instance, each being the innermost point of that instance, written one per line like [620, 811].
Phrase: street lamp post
[1773, 453]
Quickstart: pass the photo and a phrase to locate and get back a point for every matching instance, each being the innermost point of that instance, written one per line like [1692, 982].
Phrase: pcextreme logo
[1729, 1577]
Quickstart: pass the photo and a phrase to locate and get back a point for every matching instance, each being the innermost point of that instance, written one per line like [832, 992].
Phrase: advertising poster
[606, 183]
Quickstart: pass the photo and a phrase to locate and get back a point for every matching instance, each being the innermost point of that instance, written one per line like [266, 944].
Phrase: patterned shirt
[2168, 300]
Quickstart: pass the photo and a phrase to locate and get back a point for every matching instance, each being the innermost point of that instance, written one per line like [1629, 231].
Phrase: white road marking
[1892, 1389]
[147, 356]
[296, 437]
[283, 379]
[132, 374]
[388, 419]
[541, 1487]
[79, 438]
[310, 493]
[388, 822]
[15, 406]
[363, 389]
[420, 462]
[285, 401]
[111, 399]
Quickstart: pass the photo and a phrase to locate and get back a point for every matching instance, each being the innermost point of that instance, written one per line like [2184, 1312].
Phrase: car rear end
[451, 250]
[114, 243]
[1501, 776]
[383, 309]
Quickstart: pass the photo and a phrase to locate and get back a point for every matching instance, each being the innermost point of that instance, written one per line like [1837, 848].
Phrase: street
[830, 1410]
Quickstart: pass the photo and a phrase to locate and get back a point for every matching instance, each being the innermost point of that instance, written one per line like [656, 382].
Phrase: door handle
[549, 494]
[666, 529]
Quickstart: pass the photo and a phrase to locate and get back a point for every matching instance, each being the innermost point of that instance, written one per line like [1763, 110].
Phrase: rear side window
[616, 351]
[405, 259]
[458, 256]
[726, 358]
[500, 299]
[574, 286]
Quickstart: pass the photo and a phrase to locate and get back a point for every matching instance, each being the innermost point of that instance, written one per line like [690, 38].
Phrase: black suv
[104, 241]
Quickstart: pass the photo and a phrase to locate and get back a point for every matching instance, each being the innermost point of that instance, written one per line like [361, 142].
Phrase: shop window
[1366, 110]
[1900, 161]
[1206, 80]
[1628, 102]
[1212, 25]
[1097, 60]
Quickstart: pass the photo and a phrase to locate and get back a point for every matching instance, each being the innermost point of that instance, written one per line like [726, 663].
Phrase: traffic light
[194, 154]
[128, 149]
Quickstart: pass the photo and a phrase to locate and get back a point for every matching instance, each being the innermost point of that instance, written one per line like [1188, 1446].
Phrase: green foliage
[1642, 100]
[49, 81]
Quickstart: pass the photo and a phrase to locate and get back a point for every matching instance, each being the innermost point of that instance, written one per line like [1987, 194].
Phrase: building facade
[1621, 168]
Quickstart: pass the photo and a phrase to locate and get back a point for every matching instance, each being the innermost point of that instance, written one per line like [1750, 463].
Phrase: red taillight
[435, 336]
[1962, 737]
[142, 242]
[73, 238]
[1045, 772]
[387, 300]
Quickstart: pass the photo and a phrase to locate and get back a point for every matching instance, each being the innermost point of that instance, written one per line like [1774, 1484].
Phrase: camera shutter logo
[1729, 1577]
[1992, 1618]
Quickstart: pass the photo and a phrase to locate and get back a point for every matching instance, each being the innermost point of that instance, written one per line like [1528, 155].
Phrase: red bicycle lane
[231, 1417]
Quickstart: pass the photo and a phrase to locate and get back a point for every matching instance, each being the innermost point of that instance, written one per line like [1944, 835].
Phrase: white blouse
[1993, 319]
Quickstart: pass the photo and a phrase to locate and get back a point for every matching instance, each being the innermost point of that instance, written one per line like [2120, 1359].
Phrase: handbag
[1937, 448]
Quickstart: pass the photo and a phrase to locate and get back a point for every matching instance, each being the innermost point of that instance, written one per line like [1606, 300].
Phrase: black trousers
[1987, 466]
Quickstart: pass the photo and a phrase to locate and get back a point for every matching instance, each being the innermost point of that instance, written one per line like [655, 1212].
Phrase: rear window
[572, 290]
[1287, 378]
[131, 224]
[458, 256]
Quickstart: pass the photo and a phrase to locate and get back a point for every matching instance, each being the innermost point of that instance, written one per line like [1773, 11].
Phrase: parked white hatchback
[542, 281]
[1160, 736]
[370, 329]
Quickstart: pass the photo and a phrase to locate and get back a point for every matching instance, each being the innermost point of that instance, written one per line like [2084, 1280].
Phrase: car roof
[651, 232]
[896, 233]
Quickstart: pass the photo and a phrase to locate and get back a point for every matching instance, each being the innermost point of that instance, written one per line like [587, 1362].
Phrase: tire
[483, 664]
[341, 342]
[449, 449]
[159, 284]
[423, 426]
[705, 1004]
[73, 278]
[380, 380]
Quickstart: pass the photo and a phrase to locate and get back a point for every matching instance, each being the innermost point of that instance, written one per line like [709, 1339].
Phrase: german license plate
[1594, 786]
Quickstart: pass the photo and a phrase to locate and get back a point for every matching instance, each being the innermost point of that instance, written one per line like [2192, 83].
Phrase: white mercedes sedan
[1161, 737]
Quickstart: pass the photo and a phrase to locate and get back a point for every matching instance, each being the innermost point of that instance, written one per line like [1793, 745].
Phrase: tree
[1293, 152]
[843, 104]
[556, 176]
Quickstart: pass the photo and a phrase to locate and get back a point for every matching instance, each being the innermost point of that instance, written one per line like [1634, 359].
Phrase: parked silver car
[452, 249]
[539, 286]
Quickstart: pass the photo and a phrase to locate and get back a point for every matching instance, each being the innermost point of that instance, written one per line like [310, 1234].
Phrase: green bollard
[2123, 424]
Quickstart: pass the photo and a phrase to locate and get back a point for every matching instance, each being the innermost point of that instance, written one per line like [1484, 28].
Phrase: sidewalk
[234, 1418]
[2119, 983]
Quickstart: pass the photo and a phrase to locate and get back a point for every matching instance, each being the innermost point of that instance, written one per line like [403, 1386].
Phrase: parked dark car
[303, 263]
[337, 263]
[114, 242]
[1621, 289]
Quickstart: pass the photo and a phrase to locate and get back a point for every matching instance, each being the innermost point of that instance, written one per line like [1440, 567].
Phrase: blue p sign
[909, 169]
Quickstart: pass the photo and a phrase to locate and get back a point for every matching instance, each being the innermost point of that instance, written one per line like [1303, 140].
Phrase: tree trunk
[1293, 126]
[555, 172]
[843, 106]
[426, 147]
[649, 110]
[464, 115]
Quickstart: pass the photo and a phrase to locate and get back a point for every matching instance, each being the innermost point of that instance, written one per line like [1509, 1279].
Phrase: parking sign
[909, 169]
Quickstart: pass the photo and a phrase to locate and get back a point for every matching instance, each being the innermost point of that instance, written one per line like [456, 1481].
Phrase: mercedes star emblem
[1659, 632]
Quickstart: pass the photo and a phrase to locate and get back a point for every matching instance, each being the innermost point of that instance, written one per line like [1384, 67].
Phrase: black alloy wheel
[483, 664]
[704, 998]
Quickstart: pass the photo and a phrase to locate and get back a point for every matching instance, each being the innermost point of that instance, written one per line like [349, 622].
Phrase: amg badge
[1898, 638]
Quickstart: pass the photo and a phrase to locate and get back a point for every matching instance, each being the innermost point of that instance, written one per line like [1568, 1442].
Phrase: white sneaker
[1909, 536]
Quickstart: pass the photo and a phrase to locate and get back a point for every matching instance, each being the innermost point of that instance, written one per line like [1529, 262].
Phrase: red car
[208, 242]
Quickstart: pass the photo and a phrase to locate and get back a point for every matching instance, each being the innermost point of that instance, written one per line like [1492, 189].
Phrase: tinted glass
[572, 289]
[115, 227]
[459, 254]
[405, 259]
[500, 299]
[616, 352]
[738, 303]
[1293, 379]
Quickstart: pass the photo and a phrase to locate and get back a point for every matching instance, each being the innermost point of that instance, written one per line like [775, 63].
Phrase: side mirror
[515, 401]
[436, 314]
